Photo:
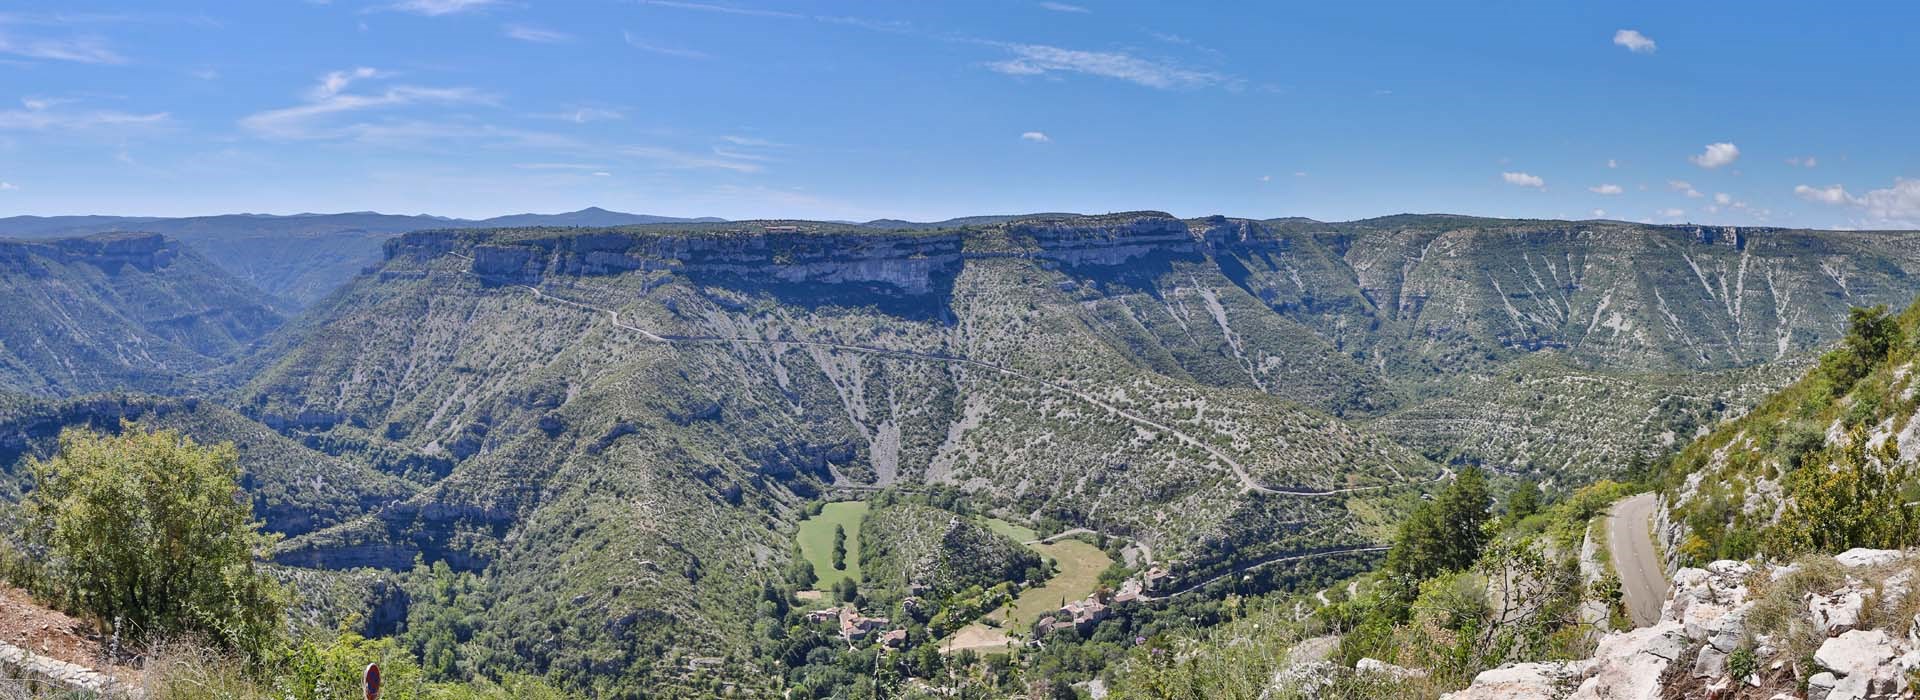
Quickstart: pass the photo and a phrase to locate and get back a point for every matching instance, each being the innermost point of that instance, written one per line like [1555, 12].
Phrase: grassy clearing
[1018, 533]
[1080, 567]
[816, 541]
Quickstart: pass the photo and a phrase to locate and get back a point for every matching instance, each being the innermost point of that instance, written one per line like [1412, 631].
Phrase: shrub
[149, 533]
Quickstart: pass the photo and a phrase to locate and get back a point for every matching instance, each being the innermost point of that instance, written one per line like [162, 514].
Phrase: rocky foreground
[1839, 628]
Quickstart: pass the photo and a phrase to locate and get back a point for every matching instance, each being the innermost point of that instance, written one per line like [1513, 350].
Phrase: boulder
[1837, 612]
[1370, 665]
[1861, 556]
[1521, 682]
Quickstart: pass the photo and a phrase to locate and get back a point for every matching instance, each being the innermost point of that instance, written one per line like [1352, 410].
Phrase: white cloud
[77, 49]
[8, 186]
[1611, 163]
[1634, 41]
[1832, 194]
[1716, 155]
[722, 9]
[1299, 173]
[537, 35]
[1673, 213]
[1896, 206]
[1037, 59]
[1722, 198]
[45, 114]
[602, 173]
[1524, 180]
[1684, 186]
[1608, 189]
[1266, 178]
[1599, 213]
[329, 98]
[1036, 137]
[1807, 162]
[1063, 7]
[436, 8]
[643, 45]
[750, 141]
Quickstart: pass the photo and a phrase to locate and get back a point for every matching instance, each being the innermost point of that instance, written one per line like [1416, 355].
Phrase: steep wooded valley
[1052, 455]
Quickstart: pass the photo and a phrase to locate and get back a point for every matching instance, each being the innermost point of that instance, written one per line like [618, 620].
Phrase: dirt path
[28, 625]
[1643, 579]
[1247, 482]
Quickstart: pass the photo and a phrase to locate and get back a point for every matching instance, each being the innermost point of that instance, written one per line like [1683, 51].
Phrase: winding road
[1643, 579]
[1247, 482]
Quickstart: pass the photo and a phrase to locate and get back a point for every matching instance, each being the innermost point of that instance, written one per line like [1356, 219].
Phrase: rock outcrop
[1690, 652]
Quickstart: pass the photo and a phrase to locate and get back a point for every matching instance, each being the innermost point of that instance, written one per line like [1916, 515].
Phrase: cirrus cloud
[1607, 189]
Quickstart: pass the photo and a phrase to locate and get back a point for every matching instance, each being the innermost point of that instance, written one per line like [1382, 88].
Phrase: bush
[150, 534]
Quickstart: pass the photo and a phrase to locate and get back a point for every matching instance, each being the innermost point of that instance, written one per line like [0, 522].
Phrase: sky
[1743, 113]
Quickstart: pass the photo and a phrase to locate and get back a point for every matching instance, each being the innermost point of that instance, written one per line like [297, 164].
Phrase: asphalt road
[1643, 578]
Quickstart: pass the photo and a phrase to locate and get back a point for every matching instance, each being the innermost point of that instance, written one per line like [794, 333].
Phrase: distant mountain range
[300, 258]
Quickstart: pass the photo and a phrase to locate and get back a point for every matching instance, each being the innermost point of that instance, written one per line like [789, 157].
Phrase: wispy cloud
[85, 49]
[1036, 137]
[1684, 187]
[8, 186]
[1063, 7]
[723, 9]
[1606, 189]
[436, 8]
[643, 45]
[750, 141]
[1807, 162]
[1040, 59]
[671, 158]
[1716, 155]
[536, 35]
[1634, 41]
[558, 166]
[329, 98]
[46, 114]
[1524, 180]
[583, 115]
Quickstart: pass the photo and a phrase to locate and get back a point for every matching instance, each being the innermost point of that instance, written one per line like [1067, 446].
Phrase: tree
[1445, 534]
[1525, 501]
[840, 547]
[150, 532]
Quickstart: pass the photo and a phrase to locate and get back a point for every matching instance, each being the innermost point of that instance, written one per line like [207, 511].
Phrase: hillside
[907, 547]
[294, 489]
[120, 311]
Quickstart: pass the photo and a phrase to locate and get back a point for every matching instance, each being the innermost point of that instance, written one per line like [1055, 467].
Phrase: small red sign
[372, 681]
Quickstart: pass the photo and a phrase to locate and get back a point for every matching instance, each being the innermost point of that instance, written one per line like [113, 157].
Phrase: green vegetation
[908, 546]
[1077, 567]
[1832, 494]
[823, 542]
[145, 532]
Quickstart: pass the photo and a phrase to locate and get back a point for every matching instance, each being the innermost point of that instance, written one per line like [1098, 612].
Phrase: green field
[1079, 564]
[1080, 567]
[816, 541]
[1017, 532]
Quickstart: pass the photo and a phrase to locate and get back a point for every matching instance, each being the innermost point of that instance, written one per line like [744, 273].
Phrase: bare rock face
[1705, 619]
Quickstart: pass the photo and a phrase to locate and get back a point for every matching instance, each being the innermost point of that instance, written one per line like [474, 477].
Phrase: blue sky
[1747, 113]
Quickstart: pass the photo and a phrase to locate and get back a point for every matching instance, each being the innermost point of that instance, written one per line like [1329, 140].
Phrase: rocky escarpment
[1842, 628]
[119, 311]
[912, 262]
[107, 251]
